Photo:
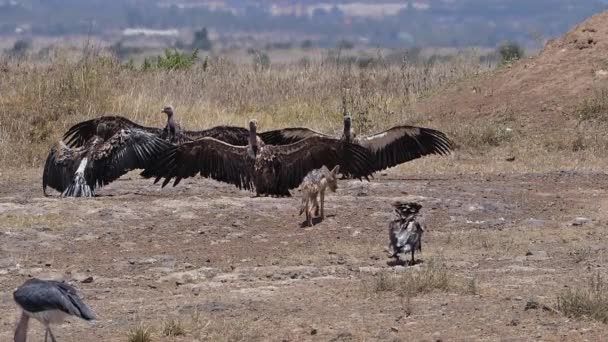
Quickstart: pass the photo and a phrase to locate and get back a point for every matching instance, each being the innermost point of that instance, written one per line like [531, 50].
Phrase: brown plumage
[77, 171]
[265, 169]
[389, 148]
[82, 132]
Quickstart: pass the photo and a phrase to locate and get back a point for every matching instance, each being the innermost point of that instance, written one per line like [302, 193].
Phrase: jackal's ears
[335, 170]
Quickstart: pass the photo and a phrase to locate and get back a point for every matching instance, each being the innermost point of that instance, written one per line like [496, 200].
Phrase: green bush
[172, 60]
[510, 51]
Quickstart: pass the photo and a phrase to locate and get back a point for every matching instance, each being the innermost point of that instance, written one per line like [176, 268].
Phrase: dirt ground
[230, 267]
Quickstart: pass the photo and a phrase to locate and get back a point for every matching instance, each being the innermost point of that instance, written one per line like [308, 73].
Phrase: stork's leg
[322, 204]
[51, 333]
[413, 260]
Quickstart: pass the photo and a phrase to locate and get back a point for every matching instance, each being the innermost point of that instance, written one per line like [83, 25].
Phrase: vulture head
[168, 110]
[103, 131]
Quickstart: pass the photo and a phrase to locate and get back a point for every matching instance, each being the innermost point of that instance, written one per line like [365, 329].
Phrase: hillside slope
[548, 87]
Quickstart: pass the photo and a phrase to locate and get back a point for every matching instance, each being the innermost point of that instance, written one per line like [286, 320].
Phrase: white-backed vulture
[82, 132]
[265, 169]
[77, 171]
[392, 147]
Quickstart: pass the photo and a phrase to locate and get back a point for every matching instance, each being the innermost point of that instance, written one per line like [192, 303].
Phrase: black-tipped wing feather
[60, 166]
[37, 295]
[125, 151]
[232, 135]
[82, 132]
[404, 143]
[209, 157]
[314, 152]
[288, 136]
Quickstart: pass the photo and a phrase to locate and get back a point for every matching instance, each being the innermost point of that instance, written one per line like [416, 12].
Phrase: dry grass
[40, 100]
[589, 303]
[433, 276]
[141, 333]
[173, 328]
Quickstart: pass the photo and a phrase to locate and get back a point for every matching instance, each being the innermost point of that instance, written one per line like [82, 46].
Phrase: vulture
[389, 148]
[82, 132]
[265, 169]
[405, 233]
[107, 155]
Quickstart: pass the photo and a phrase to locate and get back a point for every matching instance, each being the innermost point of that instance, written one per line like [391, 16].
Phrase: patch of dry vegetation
[433, 276]
[173, 328]
[40, 100]
[587, 303]
[141, 333]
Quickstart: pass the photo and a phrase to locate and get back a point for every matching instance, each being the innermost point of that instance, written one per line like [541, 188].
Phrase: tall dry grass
[40, 99]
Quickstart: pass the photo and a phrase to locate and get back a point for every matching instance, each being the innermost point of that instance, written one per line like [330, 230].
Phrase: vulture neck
[347, 131]
[253, 141]
[170, 123]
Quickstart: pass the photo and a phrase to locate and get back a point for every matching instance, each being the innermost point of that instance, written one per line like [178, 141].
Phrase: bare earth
[231, 267]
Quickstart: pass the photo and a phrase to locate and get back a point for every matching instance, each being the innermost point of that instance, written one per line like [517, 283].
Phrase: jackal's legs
[322, 203]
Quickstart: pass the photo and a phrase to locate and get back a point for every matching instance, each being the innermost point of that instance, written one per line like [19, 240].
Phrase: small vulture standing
[84, 131]
[49, 302]
[265, 169]
[107, 155]
[405, 233]
[392, 147]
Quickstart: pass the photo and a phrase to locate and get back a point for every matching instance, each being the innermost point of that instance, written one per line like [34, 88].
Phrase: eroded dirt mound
[548, 86]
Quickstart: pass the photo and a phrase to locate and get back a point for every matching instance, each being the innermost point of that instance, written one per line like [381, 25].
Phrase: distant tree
[201, 40]
[510, 51]
[345, 44]
[20, 47]
[307, 44]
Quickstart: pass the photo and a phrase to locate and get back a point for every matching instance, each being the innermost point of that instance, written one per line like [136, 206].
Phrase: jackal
[405, 233]
[315, 183]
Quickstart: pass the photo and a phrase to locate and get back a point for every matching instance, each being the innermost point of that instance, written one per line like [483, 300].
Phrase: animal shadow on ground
[315, 220]
[398, 262]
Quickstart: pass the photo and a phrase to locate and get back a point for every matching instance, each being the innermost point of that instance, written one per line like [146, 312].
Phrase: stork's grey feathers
[37, 295]
[99, 161]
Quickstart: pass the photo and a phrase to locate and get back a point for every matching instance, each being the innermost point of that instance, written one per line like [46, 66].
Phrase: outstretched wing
[40, 295]
[404, 143]
[312, 153]
[209, 157]
[127, 150]
[80, 133]
[60, 166]
[288, 136]
[237, 136]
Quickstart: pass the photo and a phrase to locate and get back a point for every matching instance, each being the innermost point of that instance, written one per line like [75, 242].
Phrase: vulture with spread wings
[389, 148]
[265, 169]
[107, 155]
[82, 132]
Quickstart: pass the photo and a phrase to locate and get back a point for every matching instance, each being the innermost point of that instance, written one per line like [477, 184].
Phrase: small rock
[528, 253]
[580, 221]
[395, 329]
[513, 323]
[531, 304]
[87, 280]
[313, 331]
[510, 159]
